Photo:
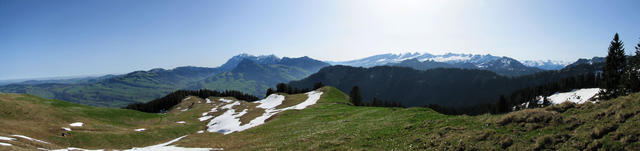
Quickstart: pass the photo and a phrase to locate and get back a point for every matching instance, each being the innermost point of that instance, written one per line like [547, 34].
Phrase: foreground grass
[334, 124]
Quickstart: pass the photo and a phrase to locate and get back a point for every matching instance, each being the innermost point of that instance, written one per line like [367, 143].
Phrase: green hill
[331, 124]
[244, 73]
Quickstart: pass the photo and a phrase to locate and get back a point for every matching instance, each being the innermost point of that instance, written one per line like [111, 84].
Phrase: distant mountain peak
[390, 58]
[261, 59]
[546, 64]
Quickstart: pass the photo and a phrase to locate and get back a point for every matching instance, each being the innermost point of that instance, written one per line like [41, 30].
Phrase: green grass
[334, 124]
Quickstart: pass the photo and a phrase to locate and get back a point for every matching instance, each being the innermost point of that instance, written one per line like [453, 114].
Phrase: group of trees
[621, 73]
[356, 99]
[165, 103]
[619, 76]
[284, 88]
[533, 97]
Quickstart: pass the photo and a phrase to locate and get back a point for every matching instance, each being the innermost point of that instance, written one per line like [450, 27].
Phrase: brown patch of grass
[251, 114]
[528, 116]
[291, 100]
[187, 103]
[595, 145]
[543, 142]
[561, 107]
[600, 131]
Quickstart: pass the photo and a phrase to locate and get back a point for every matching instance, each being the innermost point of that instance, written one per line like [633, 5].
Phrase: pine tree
[502, 105]
[318, 85]
[355, 96]
[613, 69]
[289, 90]
[269, 91]
[633, 71]
[281, 87]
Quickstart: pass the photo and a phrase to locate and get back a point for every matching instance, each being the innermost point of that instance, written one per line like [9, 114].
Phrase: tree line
[165, 103]
[355, 97]
[621, 73]
[285, 88]
[620, 76]
[529, 97]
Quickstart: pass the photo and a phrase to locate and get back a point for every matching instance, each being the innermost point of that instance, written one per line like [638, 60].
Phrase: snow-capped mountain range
[450, 58]
[546, 64]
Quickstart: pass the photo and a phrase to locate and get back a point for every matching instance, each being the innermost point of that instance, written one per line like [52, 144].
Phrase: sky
[40, 38]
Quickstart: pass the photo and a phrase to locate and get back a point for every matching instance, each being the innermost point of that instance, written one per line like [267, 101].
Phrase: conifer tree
[269, 91]
[502, 105]
[289, 90]
[355, 96]
[613, 69]
[318, 85]
[281, 87]
[633, 71]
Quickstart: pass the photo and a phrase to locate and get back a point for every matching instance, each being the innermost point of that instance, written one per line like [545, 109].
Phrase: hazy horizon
[65, 38]
[218, 65]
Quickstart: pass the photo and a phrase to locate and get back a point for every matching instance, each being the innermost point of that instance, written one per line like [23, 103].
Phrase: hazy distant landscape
[319, 75]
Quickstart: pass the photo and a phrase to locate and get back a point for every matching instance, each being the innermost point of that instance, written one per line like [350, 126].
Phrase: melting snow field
[159, 147]
[229, 121]
[578, 96]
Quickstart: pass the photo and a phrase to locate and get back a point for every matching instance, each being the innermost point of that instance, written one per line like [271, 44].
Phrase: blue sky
[64, 38]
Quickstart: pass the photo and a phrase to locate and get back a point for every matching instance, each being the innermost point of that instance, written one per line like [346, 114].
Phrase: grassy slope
[142, 86]
[334, 124]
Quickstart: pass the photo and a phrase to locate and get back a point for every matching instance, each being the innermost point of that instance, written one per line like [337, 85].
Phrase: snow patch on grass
[166, 147]
[208, 101]
[31, 139]
[181, 122]
[5, 144]
[76, 124]
[229, 121]
[160, 147]
[140, 129]
[271, 101]
[6, 138]
[313, 97]
[76, 149]
[577, 96]
[204, 118]
[66, 128]
[226, 100]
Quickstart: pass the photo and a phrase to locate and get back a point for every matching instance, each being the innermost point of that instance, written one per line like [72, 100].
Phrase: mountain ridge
[451, 58]
[140, 86]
